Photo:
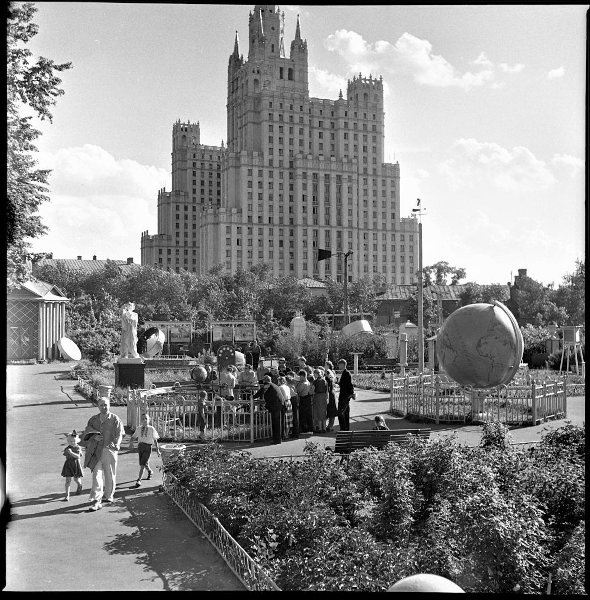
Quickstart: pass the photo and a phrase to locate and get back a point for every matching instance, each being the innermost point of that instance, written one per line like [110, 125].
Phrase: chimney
[79, 258]
[94, 257]
[130, 260]
[522, 272]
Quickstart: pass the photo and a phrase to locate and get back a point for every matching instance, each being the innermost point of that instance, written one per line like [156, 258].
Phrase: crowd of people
[302, 399]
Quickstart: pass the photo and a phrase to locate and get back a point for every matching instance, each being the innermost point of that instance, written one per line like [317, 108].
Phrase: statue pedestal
[130, 372]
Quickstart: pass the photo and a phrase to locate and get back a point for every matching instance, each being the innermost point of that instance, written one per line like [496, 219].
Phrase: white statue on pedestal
[128, 331]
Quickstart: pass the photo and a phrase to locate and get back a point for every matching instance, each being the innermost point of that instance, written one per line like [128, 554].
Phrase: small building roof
[312, 283]
[86, 267]
[397, 292]
[37, 290]
[433, 292]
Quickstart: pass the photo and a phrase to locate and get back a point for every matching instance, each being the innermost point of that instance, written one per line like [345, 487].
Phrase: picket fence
[173, 413]
[434, 397]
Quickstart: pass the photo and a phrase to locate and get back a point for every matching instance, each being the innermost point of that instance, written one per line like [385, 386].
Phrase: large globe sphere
[199, 374]
[480, 345]
[425, 583]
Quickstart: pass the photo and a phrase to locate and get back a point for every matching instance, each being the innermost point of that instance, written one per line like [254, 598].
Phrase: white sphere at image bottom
[426, 582]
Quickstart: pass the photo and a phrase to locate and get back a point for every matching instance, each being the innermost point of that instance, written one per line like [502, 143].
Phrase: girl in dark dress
[73, 466]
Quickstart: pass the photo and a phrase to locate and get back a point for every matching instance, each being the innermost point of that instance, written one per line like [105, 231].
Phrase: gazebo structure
[36, 319]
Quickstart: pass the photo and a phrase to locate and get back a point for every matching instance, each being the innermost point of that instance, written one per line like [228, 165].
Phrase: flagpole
[346, 315]
[420, 304]
[420, 291]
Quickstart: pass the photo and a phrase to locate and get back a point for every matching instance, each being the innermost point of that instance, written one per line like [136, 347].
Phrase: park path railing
[437, 398]
[174, 414]
[244, 567]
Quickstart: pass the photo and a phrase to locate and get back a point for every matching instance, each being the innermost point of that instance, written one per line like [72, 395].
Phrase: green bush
[494, 518]
[99, 344]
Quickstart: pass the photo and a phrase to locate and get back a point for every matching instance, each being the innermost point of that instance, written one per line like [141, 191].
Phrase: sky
[484, 111]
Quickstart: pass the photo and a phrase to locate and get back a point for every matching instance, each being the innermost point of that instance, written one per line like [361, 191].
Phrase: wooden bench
[349, 441]
[380, 363]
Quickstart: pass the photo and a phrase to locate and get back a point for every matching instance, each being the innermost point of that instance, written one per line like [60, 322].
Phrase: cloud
[573, 162]
[90, 170]
[482, 60]
[413, 57]
[98, 204]
[328, 83]
[556, 73]
[473, 164]
[517, 68]
[297, 9]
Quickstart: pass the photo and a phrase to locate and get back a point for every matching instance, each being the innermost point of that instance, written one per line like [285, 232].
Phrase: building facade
[297, 174]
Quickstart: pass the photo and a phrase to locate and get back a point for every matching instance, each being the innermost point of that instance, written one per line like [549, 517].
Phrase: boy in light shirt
[146, 436]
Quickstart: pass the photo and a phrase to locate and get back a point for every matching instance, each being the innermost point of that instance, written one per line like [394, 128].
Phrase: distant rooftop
[433, 292]
[311, 283]
[87, 266]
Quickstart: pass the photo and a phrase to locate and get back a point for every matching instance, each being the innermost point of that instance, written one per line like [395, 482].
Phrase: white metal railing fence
[244, 567]
[437, 398]
[174, 415]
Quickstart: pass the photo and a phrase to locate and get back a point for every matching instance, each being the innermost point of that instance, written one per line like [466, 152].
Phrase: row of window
[320, 111]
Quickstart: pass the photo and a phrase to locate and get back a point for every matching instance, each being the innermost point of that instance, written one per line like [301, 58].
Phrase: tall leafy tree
[31, 87]
[474, 292]
[571, 295]
[535, 303]
[442, 273]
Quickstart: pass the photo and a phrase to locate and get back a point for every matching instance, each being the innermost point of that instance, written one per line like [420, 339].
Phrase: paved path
[142, 542]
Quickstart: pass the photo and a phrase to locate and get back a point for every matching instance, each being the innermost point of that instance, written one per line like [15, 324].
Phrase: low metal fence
[244, 567]
[439, 399]
[174, 415]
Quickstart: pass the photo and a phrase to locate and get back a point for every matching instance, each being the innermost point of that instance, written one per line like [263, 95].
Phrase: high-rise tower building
[297, 174]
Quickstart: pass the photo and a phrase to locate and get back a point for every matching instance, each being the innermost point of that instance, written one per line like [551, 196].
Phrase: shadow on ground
[154, 524]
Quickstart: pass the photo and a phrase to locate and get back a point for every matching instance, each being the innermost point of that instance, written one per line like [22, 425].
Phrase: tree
[474, 292]
[30, 86]
[535, 304]
[439, 272]
[363, 293]
[571, 295]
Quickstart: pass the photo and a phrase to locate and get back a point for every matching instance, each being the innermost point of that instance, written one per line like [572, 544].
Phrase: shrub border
[242, 565]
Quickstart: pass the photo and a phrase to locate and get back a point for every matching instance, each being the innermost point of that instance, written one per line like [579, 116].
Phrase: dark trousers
[295, 405]
[275, 421]
[344, 414]
[306, 414]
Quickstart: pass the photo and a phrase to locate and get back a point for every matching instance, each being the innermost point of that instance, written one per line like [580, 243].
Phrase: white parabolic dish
[68, 349]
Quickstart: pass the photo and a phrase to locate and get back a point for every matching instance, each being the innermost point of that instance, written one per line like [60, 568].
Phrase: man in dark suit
[345, 395]
[273, 401]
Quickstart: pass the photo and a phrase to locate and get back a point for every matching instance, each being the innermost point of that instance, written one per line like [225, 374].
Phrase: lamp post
[418, 210]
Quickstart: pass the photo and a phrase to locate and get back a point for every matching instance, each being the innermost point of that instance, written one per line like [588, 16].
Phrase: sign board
[176, 332]
[233, 331]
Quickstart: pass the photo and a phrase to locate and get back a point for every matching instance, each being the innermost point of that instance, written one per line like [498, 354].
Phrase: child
[146, 436]
[380, 423]
[201, 398]
[73, 465]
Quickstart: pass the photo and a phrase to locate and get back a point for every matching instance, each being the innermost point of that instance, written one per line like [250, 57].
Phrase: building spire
[236, 46]
[298, 31]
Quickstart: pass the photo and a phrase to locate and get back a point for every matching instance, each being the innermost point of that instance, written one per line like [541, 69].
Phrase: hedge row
[495, 518]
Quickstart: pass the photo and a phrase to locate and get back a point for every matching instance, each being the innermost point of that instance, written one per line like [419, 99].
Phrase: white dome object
[357, 327]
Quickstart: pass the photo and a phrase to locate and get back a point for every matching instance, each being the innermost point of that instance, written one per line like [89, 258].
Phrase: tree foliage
[441, 273]
[474, 293]
[536, 303]
[571, 295]
[31, 87]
